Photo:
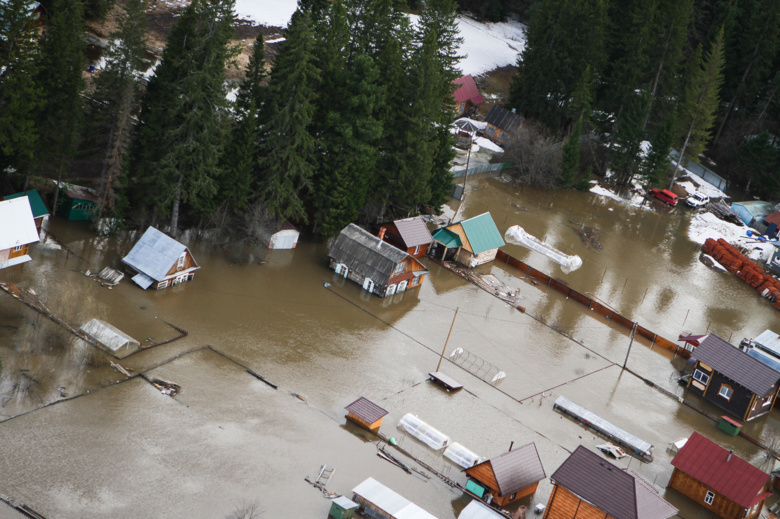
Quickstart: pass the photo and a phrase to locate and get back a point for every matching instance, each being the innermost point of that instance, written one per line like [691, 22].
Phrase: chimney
[729, 458]
[381, 236]
[511, 444]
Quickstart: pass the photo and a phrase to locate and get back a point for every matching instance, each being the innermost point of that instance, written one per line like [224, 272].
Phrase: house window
[416, 250]
[490, 130]
[180, 261]
[767, 401]
[414, 282]
[701, 377]
[709, 497]
[725, 391]
[399, 269]
[512, 497]
[17, 249]
[162, 284]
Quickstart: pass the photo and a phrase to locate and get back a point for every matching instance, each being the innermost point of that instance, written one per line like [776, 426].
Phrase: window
[725, 391]
[491, 130]
[709, 497]
[399, 269]
[512, 497]
[767, 401]
[414, 282]
[701, 377]
[180, 261]
[416, 251]
[17, 249]
[162, 284]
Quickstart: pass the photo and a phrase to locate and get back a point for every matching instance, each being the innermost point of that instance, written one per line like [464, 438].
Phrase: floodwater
[117, 447]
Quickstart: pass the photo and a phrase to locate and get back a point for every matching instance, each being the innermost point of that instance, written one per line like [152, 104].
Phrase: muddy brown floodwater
[81, 440]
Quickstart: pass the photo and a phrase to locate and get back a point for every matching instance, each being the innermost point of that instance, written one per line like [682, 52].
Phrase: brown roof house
[588, 486]
[377, 266]
[366, 413]
[508, 477]
[409, 234]
[159, 261]
[502, 124]
[732, 379]
[721, 482]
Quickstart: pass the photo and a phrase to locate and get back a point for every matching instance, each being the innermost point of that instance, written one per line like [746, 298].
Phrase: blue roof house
[159, 261]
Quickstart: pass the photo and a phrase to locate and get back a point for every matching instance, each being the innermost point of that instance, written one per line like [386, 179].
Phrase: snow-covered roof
[17, 225]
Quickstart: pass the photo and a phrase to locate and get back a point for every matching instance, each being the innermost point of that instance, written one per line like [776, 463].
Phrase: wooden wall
[565, 505]
[697, 490]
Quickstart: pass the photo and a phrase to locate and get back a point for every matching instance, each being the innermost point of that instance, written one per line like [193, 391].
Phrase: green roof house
[78, 202]
[470, 242]
[39, 211]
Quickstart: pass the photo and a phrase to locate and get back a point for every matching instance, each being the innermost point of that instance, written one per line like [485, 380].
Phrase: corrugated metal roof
[621, 494]
[467, 91]
[108, 335]
[504, 119]
[36, 203]
[482, 233]
[17, 226]
[413, 231]
[736, 479]
[366, 254]
[517, 469]
[737, 365]
[447, 238]
[478, 510]
[142, 280]
[366, 410]
[154, 254]
[768, 341]
[388, 500]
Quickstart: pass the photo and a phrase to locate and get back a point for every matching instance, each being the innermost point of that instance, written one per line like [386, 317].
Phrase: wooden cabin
[718, 480]
[471, 242]
[159, 261]
[366, 414]
[502, 124]
[732, 379]
[17, 231]
[466, 96]
[508, 477]
[275, 236]
[377, 266]
[410, 235]
[586, 486]
[77, 202]
[380, 502]
[39, 210]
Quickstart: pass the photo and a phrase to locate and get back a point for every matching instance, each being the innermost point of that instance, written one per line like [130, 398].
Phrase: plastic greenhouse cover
[462, 456]
[517, 235]
[423, 432]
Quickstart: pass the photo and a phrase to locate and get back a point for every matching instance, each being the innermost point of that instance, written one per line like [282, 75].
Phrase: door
[284, 241]
[402, 286]
[368, 285]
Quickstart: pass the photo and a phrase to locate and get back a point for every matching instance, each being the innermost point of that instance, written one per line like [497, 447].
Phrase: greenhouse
[422, 431]
[461, 455]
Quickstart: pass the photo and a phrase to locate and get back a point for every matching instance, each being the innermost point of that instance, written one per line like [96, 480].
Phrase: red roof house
[467, 95]
[723, 483]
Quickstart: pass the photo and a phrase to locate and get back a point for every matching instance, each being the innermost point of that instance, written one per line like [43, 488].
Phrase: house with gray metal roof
[17, 231]
[506, 478]
[410, 234]
[733, 380]
[469, 242]
[159, 261]
[587, 485]
[381, 502]
[377, 266]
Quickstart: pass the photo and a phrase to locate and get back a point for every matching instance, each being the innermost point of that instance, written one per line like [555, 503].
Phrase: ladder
[326, 471]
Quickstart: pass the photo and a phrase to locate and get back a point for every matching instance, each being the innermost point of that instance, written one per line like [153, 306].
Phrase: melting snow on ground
[707, 225]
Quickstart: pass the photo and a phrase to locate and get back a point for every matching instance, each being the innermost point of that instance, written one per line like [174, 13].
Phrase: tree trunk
[57, 192]
[682, 153]
[657, 79]
[176, 205]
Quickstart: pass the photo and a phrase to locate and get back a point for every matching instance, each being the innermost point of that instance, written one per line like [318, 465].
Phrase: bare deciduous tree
[246, 511]
[536, 158]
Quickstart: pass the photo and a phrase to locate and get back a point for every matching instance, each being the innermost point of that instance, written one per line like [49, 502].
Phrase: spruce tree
[184, 120]
[570, 161]
[20, 95]
[625, 154]
[655, 165]
[758, 161]
[287, 155]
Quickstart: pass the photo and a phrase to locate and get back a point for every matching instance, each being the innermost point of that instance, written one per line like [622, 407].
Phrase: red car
[664, 195]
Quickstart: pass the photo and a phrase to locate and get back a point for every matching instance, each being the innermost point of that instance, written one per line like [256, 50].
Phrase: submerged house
[366, 413]
[276, 236]
[410, 235]
[77, 202]
[39, 211]
[377, 266]
[159, 261]
[467, 97]
[508, 477]
[380, 502]
[588, 486]
[470, 242]
[17, 232]
[718, 480]
[753, 212]
[502, 125]
[733, 380]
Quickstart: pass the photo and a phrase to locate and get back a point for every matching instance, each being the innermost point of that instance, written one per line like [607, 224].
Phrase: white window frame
[416, 251]
[342, 270]
[180, 261]
[162, 284]
[703, 377]
[727, 393]
[709, 497]
[18, 248]
[767, 401]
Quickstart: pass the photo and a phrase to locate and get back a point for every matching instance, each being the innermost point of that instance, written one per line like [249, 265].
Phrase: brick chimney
[381, 235]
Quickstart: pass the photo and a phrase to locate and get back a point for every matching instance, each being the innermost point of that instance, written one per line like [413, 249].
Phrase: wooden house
[718, 480]
[77, 202]
[380, 502]
[39, 211]
[366, 414]
[377, 266]
[732, 379]
[586, 486]
[17, 231]
[284, 236]
[410, 235]
[508, 477]
[466, 96]
[502, 124]
[470, 242]
[159, 261]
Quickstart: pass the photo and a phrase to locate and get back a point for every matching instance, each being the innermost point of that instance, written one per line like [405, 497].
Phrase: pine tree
[116, 98]
[184, 120]
[287, 155]
[625, 154]
[699, 107]
[62, 62]
[655, 165]
[20, 95]
[570, 161]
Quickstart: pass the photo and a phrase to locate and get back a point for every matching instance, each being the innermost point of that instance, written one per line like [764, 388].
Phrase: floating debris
[166, 387]
[590, 236]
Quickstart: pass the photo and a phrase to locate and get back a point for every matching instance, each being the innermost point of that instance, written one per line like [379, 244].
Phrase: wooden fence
[591, 303]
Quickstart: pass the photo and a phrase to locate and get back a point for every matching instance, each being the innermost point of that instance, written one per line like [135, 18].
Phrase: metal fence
[707, 175]
[476, 170]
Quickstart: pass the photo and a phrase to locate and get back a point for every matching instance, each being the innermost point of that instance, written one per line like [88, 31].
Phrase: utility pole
[633, 331]
[448, 338]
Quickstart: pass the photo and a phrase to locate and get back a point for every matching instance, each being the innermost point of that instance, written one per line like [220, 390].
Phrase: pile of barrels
[745, 269]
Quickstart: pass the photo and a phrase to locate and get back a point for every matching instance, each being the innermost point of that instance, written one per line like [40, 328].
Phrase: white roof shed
[387, 500]
[113, 340]
[17, 228]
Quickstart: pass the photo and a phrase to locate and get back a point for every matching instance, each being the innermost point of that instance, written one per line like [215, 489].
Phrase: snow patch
[707, 225]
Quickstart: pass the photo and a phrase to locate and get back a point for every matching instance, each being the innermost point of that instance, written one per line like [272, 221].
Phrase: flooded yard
[80, 439]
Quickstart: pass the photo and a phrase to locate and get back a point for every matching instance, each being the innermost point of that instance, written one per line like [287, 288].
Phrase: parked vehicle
[697, 200]
[664, 195]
